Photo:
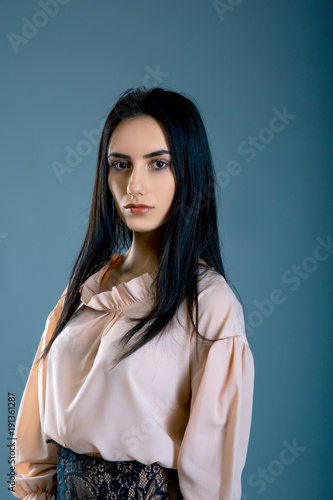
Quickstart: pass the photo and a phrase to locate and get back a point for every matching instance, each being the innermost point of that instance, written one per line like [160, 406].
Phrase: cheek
[167, 191]
[114, 187]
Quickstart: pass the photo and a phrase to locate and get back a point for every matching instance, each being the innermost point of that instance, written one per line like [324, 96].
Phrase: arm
[214, 448]
[35, 461]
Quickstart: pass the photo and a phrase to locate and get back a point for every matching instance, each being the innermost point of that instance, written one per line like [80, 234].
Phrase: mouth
[137, 208]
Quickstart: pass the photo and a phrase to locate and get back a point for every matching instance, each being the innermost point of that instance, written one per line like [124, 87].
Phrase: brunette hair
[190, 233]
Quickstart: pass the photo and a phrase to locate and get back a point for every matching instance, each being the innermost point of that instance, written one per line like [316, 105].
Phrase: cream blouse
[161, 404]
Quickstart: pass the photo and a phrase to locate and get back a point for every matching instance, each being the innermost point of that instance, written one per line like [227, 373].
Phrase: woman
[142, 384]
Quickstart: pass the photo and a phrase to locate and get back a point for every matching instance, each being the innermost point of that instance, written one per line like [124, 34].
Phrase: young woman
[142, 385]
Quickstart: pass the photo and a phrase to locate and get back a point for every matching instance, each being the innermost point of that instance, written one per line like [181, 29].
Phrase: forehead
[139, 132]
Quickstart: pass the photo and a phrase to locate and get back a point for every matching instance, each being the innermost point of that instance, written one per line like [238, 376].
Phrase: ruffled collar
[123, 295]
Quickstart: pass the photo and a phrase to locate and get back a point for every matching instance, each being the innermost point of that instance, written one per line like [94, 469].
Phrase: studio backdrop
[261, 75]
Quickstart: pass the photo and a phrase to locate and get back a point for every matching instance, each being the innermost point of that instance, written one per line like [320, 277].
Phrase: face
[141, 177]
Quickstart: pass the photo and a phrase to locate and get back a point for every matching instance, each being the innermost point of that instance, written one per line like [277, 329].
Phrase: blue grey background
[242, 66]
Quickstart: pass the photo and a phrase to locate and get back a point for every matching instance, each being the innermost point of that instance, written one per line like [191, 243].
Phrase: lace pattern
[82, 477]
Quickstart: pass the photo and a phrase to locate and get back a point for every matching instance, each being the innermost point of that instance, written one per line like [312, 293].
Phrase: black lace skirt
[82, 477]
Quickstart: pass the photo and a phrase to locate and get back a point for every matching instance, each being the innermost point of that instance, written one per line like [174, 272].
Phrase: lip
[137, 205]
[137, 208]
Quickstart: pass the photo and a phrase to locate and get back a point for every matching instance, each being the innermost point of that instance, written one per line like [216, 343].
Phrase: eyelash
[115, 163]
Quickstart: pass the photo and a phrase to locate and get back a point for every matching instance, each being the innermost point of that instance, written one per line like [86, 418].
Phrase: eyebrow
[149, 155]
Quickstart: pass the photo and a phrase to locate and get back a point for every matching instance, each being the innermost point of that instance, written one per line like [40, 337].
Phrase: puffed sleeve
[214, 448]
[35, 460]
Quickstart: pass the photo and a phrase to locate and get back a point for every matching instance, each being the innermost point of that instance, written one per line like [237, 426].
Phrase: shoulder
[214, 288]
[56, 311]
[220, 312]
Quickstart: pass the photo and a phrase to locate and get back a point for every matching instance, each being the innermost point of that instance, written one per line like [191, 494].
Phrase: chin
[142, 229]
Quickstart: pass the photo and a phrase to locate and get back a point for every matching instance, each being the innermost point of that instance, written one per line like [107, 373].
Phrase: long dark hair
[190, 232]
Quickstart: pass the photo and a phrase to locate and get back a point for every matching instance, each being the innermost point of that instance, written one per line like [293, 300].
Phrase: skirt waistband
[93, 478]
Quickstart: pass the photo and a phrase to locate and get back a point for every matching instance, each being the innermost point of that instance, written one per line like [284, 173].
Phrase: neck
[141, 257]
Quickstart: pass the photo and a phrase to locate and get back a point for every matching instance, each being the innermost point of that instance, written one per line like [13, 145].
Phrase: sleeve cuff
[42, 495]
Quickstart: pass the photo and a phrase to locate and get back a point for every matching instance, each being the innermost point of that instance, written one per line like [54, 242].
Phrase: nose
[136, 182]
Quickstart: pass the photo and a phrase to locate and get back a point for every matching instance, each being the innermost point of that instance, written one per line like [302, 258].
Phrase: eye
[160, 164]
[119, 165]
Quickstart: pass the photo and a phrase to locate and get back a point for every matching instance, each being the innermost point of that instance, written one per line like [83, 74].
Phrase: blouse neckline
[120, 296]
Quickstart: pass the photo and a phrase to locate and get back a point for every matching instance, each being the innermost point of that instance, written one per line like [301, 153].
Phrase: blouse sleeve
[214, 448]
[35, 461]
